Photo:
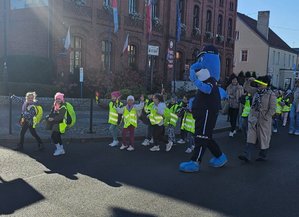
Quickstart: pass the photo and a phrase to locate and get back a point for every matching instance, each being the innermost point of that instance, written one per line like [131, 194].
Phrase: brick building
[39, 27]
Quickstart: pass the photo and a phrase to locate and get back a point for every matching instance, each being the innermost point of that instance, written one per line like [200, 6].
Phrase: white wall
[257, 50]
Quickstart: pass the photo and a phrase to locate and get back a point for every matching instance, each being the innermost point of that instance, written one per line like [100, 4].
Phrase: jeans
[233, 116]
[294, 120]
[114, 131]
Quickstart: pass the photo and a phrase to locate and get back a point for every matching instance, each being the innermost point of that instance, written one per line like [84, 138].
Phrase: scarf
[257, 99]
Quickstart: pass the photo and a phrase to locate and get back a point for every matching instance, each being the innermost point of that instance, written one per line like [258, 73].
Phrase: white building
[259, 49]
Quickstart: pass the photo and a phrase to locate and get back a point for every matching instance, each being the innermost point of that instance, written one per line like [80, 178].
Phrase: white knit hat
[130, 97]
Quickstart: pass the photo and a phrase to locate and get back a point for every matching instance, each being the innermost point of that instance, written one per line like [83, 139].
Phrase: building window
[196, 17]
[293, 61]
[21, 4]
[76, 53]
[106, 3]
[132, 56]
[244, 55]
[278, 58]
[132, 6]
[219, 25]
[237, 35]
[106, 55]
[289, 60]
[273, 61]
[227, 67]
[182, 9]
[230, 28]
[209, 21]
[221, 3]
[155, 8]
[231, 6]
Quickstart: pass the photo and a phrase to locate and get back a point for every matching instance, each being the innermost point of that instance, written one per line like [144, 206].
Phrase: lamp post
[5, 72]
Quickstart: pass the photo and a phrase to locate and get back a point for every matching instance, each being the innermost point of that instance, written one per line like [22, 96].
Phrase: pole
[81, 89]
[91, 115]
[152, 72]
[174, 68]
[10, 115]
[5, 71]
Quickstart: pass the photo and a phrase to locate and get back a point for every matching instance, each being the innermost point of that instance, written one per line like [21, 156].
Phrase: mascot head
[210, 62]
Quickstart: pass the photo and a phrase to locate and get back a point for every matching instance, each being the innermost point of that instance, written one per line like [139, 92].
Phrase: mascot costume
[204, 74]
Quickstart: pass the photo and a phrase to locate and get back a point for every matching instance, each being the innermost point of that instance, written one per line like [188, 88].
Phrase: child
[171, 122]
[144, 118]
[278, 110]
[260, 118]
[57, 119]
[114, 117]
[27, 121]
[130, 121]
[286, 108]
[157, 121]
[183, 105]
[245, 100]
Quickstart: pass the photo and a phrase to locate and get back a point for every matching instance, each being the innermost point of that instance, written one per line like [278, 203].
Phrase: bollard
[91, 115]
[10, 115]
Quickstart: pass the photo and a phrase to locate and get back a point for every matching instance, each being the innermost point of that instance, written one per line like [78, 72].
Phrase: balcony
[74, 10]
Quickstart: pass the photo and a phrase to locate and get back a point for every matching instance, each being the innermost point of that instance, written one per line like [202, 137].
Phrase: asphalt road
[93, 179]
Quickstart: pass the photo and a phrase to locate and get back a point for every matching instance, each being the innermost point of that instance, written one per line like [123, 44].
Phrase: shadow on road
[119, 212]
[16, 194]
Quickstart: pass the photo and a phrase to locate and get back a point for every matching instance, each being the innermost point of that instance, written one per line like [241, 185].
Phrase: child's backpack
[39, 114]
[71, 115]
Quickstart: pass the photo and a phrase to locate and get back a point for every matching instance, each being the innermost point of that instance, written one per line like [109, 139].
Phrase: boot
[247, 156]
[262, 155]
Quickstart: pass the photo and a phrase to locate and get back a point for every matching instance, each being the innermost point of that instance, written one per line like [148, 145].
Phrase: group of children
[61, 117]
[158, 116]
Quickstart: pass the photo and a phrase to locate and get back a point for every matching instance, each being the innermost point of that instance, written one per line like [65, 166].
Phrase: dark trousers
[56, 137]
[204, 126]
[32, 130]
[233, 116]
[158, 134]
[129, 130]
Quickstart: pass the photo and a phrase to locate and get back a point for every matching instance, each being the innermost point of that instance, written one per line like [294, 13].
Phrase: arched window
[219, 25]
[155, 8]
[132, 56]
[230, 28]
[196, 17]
[76, 53]
[209, 21]
[106, 55]
[106, 3]
[132, 6]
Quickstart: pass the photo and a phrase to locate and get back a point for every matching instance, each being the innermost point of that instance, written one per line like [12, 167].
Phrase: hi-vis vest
[148, 106]
[287, 106]
[130, 117]
[278, 106]
[63, 124]
[113, 115]
[188, 122]
[154, 117]
[246, 109]
[69, 111]
[170, 115]
[38, 115]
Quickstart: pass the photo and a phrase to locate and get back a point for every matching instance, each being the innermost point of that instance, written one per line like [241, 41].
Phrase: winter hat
[115, 94]
[59, 96]
[130, 98]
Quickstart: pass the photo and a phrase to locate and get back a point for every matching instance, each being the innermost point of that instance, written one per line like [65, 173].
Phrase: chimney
[263, 23]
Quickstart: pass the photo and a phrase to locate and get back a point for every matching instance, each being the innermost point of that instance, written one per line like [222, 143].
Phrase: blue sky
[284, 16]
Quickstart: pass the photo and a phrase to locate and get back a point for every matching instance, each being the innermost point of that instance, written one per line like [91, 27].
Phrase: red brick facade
[41, 31]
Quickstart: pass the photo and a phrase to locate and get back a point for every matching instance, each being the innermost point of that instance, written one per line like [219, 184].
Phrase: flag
[149, 16]
[126, 44]
[115, 15]
[178, 21]
[67, 41]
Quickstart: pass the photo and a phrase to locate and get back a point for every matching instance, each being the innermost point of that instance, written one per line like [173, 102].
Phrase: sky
[284, 16]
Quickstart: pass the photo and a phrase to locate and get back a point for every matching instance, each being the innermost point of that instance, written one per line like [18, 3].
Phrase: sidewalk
[80, 132]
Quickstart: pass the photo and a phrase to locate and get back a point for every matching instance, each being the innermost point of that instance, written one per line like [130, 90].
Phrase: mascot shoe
[189, 167]
[219, 162]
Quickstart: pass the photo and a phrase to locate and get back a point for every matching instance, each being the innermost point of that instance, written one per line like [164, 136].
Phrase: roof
[273, 39]
[296, 50]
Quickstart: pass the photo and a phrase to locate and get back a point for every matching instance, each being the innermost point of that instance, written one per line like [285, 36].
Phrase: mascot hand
[193, 76]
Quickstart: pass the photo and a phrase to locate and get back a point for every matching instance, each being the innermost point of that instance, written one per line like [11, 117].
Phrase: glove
[192, 76]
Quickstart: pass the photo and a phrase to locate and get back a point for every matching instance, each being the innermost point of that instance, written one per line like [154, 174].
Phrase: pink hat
[59, 96]
[115, 94]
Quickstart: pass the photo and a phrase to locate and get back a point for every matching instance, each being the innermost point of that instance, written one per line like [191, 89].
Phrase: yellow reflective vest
[246, 109]
[287, 106]
[278, 105]
[154, 117]
[130, 117]
[113, 115]
[188, 122]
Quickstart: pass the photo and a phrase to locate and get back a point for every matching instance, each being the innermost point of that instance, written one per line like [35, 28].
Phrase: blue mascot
[204, 74]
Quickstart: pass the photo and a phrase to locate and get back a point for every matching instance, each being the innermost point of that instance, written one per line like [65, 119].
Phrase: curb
[68, 140]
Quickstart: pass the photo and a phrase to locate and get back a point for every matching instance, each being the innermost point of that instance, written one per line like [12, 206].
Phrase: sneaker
[59, 151]
[291, 132]
[244, 158]
[114, 143]
[220, 161]
[188, 150]
[151, 141]
[274, 130]
[131, 148]
[181, 141]
[189, 167]
[155, 148]
[146, 142]
[231, 134]
[122, 147]
[169, 146]
[296, 133]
